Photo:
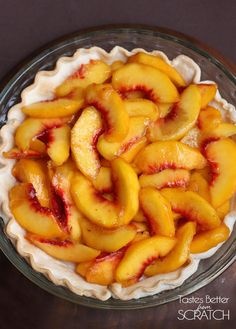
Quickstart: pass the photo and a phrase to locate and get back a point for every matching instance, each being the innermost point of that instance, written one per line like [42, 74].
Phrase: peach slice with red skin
[166, 178]
[93, 72]
[104, 212]
[102, 269]
[106, 239]
[181, 118]
[158, 212]
[84, 137]
[137, 130]
[193, 207]
[204, 241]
[133, 95]
[164, 109]
[131, 153]
[208, 92]
[221, 155]
[141, 107]
[220, 131]
[56, 108]
[31, 128]
[17, 154]
[160, 64]
[61, 182]
[106, 100]
[178, 256]
[30, 214]
[139, 77]
[168, 155]
[223, 210]
[34, 172]
[139, 255]
[66, 250]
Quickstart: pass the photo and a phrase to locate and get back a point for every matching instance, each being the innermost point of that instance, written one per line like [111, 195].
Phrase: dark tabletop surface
[27, 25]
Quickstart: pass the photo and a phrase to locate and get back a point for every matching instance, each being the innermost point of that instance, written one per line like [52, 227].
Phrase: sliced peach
[140, 216]
[64, 249]
[57, 108]
[159, 64]
[61, 182]
[30, 214]
[104, 212]
[59, 145]
[199, 185]
[139, 255]
[205, 173]
[93, 72]
[209, 117]
[31, 128]
[222, 130]
[130, 154]
[141, 107]
[133, 94]
[141, 236]
[223, 210]
[164, 109]
[178, 256]
[166, 178]
[102, 270]
[137, 130]
[181, 119]
[104, 239]
[193, 207]
[154, 83]
[221, 155]
[109, 103]
[17, 154]
[208, 92]
[83, 267]
[34, 172]
[84, 137]
[158, 212]
[38, 146]
[206, 240]
[103, 181]
[168, 154]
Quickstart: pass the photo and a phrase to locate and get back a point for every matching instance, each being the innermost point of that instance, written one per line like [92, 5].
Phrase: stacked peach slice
[104, 180]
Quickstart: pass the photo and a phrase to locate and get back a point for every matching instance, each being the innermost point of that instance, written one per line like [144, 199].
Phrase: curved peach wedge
[159, 64]
[208, 92]
[153, 82]
[53, 109]
[168, 155]
[104, 212]
[31, 171]
[206, 240]
[209, 118]
[102, 269]
[158, 212]
[181, 118]
[221, 155]
[64, 249]
[141, 254]
[178, 255]
[84, 136]
[141, 107]
[193, 207]
[58, 147]
[30, 215]
[166, 178]
[223, 210]
[199, 185]
[17, 154]
[93, 72]
[103, 181]
[104, 239]
[61, 183]
[137, 130]
[106, 100]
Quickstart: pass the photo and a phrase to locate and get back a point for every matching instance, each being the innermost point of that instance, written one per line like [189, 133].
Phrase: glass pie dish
[128, 38]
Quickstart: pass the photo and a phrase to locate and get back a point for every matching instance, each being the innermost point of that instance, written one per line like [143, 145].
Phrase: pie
[118, 170]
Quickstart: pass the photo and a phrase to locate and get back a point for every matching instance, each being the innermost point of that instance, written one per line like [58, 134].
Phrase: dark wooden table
[27, 25]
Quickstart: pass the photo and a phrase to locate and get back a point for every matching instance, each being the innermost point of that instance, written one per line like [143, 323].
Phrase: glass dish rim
[5, 243]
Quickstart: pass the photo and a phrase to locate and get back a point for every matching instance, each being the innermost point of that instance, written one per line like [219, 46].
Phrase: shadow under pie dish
[183, 188]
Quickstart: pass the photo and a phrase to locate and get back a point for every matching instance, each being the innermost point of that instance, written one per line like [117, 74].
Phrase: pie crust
[63, 273]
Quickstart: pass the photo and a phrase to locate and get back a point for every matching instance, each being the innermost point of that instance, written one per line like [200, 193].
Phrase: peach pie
[118, 172]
